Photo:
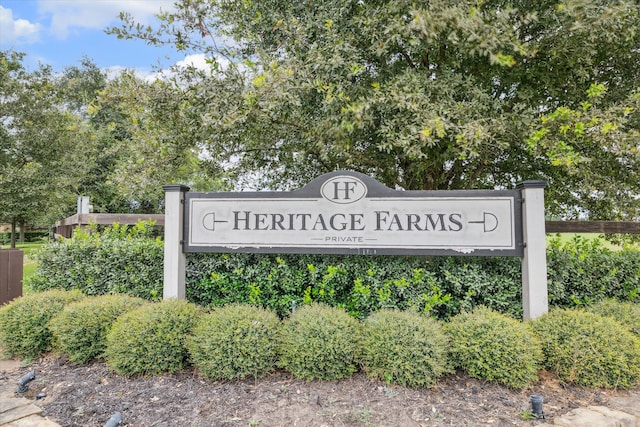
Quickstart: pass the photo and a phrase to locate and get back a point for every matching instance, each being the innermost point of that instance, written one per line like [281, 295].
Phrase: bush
[151, 338]
[235, 342]
[320, 342]
[494, 347]
[404, 348]
[359, 284]
[24, 330]
[588, 349]
[624, 312]
[80, 330]
[441, 286]
[400, 283]
[29, 236]
[264, 280]
[495, 283]
[129, 260]
[119, 259]
[583, 271]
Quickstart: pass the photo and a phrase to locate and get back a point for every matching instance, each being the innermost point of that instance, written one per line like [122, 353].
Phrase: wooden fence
[11, 261]
[600, 227]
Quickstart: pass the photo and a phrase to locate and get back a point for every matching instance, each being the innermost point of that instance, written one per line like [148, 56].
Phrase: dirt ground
[89, 395]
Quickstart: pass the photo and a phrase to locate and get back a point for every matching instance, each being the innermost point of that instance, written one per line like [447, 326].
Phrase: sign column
[534, 262]
[174, 256]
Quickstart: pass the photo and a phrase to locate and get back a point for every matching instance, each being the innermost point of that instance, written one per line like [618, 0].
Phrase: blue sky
[61, 32]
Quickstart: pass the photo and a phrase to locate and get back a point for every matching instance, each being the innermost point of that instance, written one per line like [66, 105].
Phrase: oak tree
[434, 94]
[42, 144]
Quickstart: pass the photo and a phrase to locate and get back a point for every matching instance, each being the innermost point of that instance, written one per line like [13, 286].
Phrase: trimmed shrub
[235, 342]
[150, 340]
[491, 346]
[583, 271]
[495, 283]
[320, 342]
[440, 286]
[119, 259]
[404, 348]
[588, 349]
[395, 285]
[24, 330]
[29, 236]
[624, 312]
[80, 330]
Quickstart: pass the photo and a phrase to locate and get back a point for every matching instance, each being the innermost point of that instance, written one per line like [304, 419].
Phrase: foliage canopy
[42, 155]
[427, 95]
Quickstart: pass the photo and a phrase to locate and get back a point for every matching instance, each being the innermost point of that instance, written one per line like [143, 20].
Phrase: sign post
[174, 256]
[346, 212]
[534, 261]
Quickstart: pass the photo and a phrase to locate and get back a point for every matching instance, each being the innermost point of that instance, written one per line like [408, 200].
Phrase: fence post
[534, 262]
[11, 274]
[174, 257]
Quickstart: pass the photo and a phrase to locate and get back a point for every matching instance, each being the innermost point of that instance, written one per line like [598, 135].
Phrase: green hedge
[360, 285]
[24, 322]
[404, 348]
[588, 349]
[151, 339]
[128, 260]
[491, 346]
[119, 259]
[29, 236]
[582, 271]
[80, 330]
[235, 342]
[579, 272]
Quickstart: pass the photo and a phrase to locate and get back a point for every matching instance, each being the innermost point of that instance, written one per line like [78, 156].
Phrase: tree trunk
[13, 234]
[22, 231]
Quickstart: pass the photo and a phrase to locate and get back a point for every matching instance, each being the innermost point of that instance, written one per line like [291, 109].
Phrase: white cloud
[18, 31]
[197, 61]
[69, 14]
[115, 70]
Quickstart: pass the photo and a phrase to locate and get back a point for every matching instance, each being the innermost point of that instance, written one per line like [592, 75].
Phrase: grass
[29, 268]
[28, 248]
[567, 237]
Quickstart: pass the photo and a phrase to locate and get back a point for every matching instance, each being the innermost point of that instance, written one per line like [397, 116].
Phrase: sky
[61, 32]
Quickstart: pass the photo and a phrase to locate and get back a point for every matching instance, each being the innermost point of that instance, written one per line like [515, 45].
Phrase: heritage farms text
[379, 220]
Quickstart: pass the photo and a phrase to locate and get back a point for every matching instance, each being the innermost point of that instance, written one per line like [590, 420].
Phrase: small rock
[315, 399]
[595, 416]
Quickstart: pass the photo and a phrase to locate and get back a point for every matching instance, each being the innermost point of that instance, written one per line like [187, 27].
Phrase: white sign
[352, 213]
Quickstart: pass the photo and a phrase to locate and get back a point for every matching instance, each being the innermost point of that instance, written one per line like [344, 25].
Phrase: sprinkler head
[24, 380]
[115, 420]
[536, 405]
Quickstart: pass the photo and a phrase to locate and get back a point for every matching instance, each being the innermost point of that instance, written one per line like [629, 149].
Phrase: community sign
[346, 212]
